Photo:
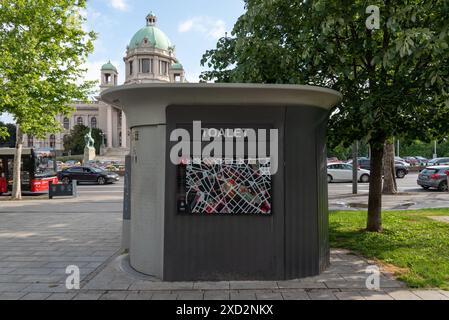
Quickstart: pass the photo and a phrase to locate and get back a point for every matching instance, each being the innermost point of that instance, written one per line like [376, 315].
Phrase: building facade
[150, 57]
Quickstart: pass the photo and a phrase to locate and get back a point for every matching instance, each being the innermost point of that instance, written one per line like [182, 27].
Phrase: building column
[124, 131]
[109, 127]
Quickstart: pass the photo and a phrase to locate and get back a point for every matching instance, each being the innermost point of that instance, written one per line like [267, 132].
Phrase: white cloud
[213, 28]
[121, 5]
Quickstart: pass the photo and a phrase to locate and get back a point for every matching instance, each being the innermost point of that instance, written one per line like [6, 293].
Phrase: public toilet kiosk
[228, 181]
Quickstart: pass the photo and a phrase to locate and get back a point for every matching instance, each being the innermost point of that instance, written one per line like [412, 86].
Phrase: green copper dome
[109, 66]
[154, 35]
[177, 66]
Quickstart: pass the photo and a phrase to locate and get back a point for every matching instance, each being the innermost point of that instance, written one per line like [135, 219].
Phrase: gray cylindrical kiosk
[227, 220]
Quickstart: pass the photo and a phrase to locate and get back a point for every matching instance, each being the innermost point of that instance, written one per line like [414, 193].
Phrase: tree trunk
[374, 223]
[390, 186]
[17, 181]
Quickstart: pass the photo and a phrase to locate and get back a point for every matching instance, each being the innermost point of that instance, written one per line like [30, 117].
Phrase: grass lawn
[411, 241]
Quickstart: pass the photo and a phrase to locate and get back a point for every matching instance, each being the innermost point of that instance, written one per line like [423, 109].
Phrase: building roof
[153, 34]
[177, 66]
[109, 66]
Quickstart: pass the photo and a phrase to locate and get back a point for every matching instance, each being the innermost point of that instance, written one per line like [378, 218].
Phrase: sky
[193, 26]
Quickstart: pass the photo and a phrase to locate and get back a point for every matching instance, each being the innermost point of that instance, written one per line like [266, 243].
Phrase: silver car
[343, 172]
[434, 177]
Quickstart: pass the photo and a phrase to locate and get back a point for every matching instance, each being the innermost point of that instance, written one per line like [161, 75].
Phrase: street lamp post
[435, 149]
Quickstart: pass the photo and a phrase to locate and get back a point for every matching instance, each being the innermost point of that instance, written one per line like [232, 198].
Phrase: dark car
[87, 174]
[438, 162]
[401, 170]
[422, 161]
[434, 177]
[412, 160]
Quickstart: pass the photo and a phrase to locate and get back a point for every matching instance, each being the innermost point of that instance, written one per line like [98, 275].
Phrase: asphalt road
[93, 191]
[407, 184]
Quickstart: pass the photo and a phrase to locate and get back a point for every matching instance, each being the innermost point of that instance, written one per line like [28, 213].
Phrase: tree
[8, 138]
[394, 79]
[75, 141]
[43, 46]
[389, 186]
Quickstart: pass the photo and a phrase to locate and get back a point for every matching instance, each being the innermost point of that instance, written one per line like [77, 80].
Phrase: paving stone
[238, 285]
[87, 296]
[12, 295]
[322, 278]
[11, 278]
[46, 287]
[149, 285]
[299, 294]
[444, 292]
[242, 295]
[4, 271]
[430, 295]
[35, 296]
[269, 296]
[32, 271]
[115, 295]
[403, 295]
[219, 285]
[140, 296]
[164, 296]
[12, 287]
[343, 284]
[322, 295]
[217, 295]
[295, 284]
[61, 296]
[376, 295]
[191, 295]
[349, 295]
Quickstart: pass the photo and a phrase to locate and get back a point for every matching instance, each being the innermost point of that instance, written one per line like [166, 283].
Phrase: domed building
[150, 57]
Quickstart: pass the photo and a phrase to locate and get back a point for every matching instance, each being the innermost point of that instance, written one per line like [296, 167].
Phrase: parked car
[412, 161]
[434, 177]
[438, 162]
[422, 161]
[358, 159]
[402, 163]
[87, 174]
[401, 170]
[343, 172]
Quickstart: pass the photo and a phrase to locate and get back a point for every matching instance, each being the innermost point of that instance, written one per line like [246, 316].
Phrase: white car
[343, 172]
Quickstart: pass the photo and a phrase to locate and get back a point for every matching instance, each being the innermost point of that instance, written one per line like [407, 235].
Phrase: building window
[52, 141]
[164, 67]
[107, 78]
[131, 68]
[66, 123]
[79, 121]
[93, 123]
[30, 141]
[146, 66]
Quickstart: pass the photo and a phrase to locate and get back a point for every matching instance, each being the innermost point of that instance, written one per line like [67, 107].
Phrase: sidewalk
[39, 239]
[402, 200]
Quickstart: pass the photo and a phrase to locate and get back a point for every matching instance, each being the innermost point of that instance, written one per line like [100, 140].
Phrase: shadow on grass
[409, 241]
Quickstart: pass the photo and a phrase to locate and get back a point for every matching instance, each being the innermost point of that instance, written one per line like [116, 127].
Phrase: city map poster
[225, 187]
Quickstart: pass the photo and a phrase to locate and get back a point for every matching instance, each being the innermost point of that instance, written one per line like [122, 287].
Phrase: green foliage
[394, 80]
[78, 158]
[7, 134]
[410, 241]
[74, 142]
[42, 46]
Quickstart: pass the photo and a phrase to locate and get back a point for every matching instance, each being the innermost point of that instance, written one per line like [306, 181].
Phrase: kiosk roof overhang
[145, 103]
[225, 93]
